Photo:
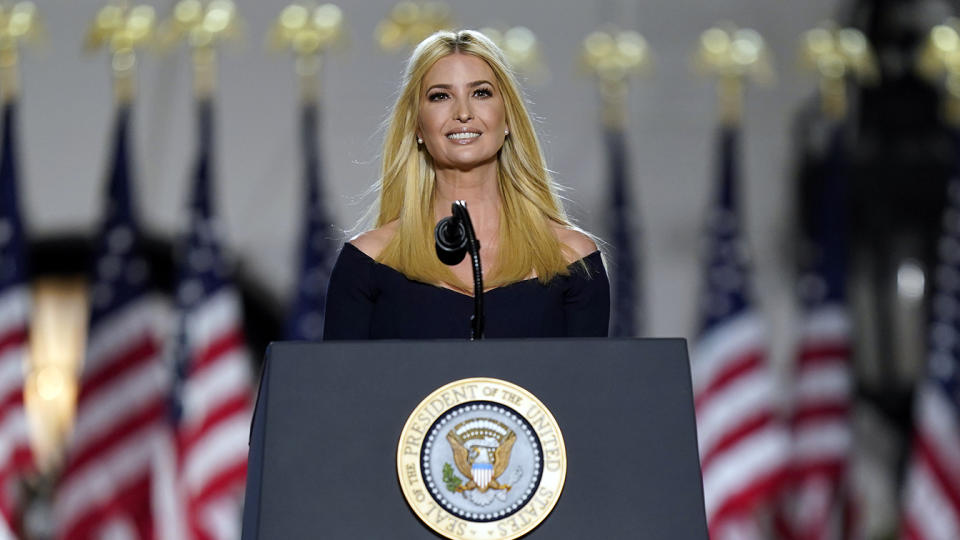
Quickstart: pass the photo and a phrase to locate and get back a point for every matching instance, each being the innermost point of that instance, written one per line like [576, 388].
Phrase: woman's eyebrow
[446, 86]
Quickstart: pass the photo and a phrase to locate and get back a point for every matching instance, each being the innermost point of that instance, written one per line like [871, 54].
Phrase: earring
[419, 140]
[506, 132]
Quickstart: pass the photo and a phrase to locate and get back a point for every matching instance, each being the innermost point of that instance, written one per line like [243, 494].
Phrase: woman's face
[462, 118]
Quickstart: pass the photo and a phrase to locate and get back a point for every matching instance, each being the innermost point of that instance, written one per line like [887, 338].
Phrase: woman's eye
[437, 96]
[483, 92]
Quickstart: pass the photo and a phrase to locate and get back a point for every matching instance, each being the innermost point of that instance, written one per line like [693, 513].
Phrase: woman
[459, 130]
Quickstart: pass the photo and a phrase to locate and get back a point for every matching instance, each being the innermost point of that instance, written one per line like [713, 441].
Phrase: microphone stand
[455, 237]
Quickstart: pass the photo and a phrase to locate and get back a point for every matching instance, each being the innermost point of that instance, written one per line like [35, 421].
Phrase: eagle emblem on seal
[481, 450]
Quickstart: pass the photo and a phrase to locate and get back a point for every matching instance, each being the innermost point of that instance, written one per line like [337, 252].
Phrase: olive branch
[449, 478]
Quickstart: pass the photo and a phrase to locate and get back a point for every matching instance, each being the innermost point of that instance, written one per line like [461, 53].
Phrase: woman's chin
[466, 163]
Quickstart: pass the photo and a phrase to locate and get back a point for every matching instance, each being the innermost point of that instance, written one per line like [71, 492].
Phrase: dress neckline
[454, 291]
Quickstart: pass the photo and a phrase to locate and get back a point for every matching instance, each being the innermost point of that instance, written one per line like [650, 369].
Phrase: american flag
[318, 247]
[105, 486]
[743, 447]
[15, 454]
[210, 403]
[820, 420]
[931, 496]
[624, 321]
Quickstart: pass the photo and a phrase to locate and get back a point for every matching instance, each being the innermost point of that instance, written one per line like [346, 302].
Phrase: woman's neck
[479, 188]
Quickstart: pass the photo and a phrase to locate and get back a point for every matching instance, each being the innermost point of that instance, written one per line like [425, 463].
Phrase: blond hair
[527, 244]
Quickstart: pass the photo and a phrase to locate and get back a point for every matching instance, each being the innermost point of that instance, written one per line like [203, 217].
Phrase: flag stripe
[739, 402]
[13, 428]
[120, 431]
[101, 412]
[11, 369]
[930, 513]
[204, 393]
[738, 336]
[229, 342]
[823, 353]
[934, 460]
[732, 373]
[224, 481]
[747, 427]
[744, 474]
[12, 338]
[95, 523]
[101, 483]
[826, 440]
[225, 410]
[116, 330]
[142, 352]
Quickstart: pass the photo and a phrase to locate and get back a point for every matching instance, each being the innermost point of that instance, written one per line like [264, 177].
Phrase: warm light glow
[50, 383]
[58, 327]
[715, 41]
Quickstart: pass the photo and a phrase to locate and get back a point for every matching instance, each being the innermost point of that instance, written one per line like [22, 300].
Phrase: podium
[323, 444]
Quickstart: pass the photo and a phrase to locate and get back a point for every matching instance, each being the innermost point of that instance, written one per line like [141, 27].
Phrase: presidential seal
[481, 458]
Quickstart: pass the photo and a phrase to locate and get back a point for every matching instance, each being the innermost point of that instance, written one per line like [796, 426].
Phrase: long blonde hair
[529, 203]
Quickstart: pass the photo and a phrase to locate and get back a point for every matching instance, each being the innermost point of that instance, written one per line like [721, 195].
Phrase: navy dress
[368, 300]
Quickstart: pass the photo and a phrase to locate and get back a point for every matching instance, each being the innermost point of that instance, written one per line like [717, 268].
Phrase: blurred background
[185, 172]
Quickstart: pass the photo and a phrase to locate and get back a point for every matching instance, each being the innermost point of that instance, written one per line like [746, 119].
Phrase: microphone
[454, 237]
[451, 239]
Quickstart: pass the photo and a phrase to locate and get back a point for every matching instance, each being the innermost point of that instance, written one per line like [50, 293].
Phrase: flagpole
[731, 348]
[733, 55]
[408, 23]
[19, 330]
[522, 50]
[122, 28]
[818, 501]
[203, 25]
[209, 335]
[938, 63]
[930, 508]
[310, 31]
[835, 55]
[614, 57]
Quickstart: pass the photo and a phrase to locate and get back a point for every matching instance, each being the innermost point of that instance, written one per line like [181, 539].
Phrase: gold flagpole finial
[410, 22]
[939, 62]
[18, 23]
[733, 55]
[122, 28]
[834, 55]
[204, 24]
[309, 31]
[522, 50]
[613, 57]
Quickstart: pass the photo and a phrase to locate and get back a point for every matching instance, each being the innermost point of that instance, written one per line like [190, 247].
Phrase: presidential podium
[325, 433]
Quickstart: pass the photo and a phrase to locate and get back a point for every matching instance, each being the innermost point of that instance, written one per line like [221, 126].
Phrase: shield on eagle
[481, 449]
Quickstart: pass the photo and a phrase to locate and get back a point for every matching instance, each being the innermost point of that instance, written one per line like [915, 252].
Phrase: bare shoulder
[579, 243]
[372, 242]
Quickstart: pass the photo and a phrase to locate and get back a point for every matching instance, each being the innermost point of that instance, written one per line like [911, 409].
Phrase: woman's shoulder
[579, 243]
[372, 242]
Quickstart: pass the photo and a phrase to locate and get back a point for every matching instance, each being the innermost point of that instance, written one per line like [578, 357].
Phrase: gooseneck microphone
[451, 239]
[454, 237]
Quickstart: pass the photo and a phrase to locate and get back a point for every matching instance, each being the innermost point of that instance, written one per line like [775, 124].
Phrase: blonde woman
[459, 130]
